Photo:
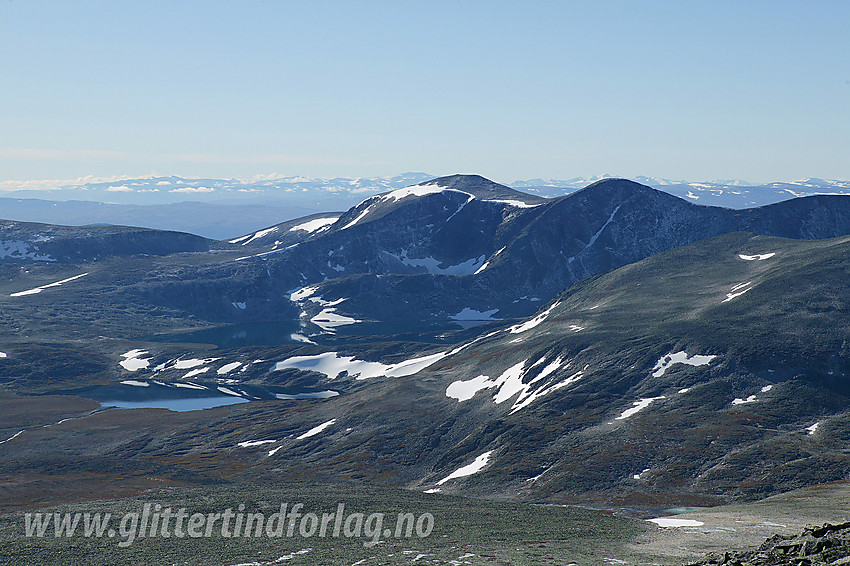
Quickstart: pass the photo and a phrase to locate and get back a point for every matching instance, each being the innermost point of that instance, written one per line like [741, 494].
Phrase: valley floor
[465, 530]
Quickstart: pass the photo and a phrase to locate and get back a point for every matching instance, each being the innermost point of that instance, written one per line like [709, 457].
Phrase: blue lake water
[179, 405]
[191, 397]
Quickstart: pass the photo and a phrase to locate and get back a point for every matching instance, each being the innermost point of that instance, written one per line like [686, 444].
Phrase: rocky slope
[708, 372]
[825, 544]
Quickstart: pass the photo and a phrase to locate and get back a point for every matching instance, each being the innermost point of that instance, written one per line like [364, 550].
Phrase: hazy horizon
[756, 91]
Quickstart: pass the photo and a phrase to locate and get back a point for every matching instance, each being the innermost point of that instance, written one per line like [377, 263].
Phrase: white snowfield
[638, 406]
[274, 451]
[268, 253]
[671, 359]
[466, 390]
[675, 522]
[301, 338]
[245, 240]
[227, 368]
[38, 290]
[737, 291]
[528, 325]
[476, 466]
[132, 360]
[2, 354]
[196, 371]
[757, 257]
[316, 430]
[514, 203]
[135, 383]
[812, 429]
[487, 263]
[739, 401]
[328, 320]
[512, 383]
[315, 224]
[189, 386]
[360, 216]
[640, 475]
[227, 391]
[250, 443]
[332, 365]
[303, 293]
[419, 191]
[13, 437]
[138, 359]
[18, 249]
[193, 362]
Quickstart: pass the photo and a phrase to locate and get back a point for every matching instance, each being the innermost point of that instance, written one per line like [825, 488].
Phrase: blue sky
[509, 90]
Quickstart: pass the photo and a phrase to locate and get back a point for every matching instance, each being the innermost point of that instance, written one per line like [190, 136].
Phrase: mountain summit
[482, 188]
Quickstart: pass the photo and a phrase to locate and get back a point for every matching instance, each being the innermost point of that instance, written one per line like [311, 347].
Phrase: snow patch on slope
[476, 466]
[512, 382]
[672, 359]
[328, 320]
[17, 249]
[332, 365]
[245, 240]
[638, 406]
[38, 290]
[419, 191]
[534, 322]
[315, 224]
[673, 522]
[316, 430]
[514, 203]
[737, 291]
[132, 360]
[757, 257]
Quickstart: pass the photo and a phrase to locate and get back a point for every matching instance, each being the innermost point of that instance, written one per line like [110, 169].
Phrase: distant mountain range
[225, 208]
[633, 347]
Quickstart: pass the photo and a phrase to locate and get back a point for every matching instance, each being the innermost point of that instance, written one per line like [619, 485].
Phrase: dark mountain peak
[616, 189]
[615, 184]
[464, 182]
